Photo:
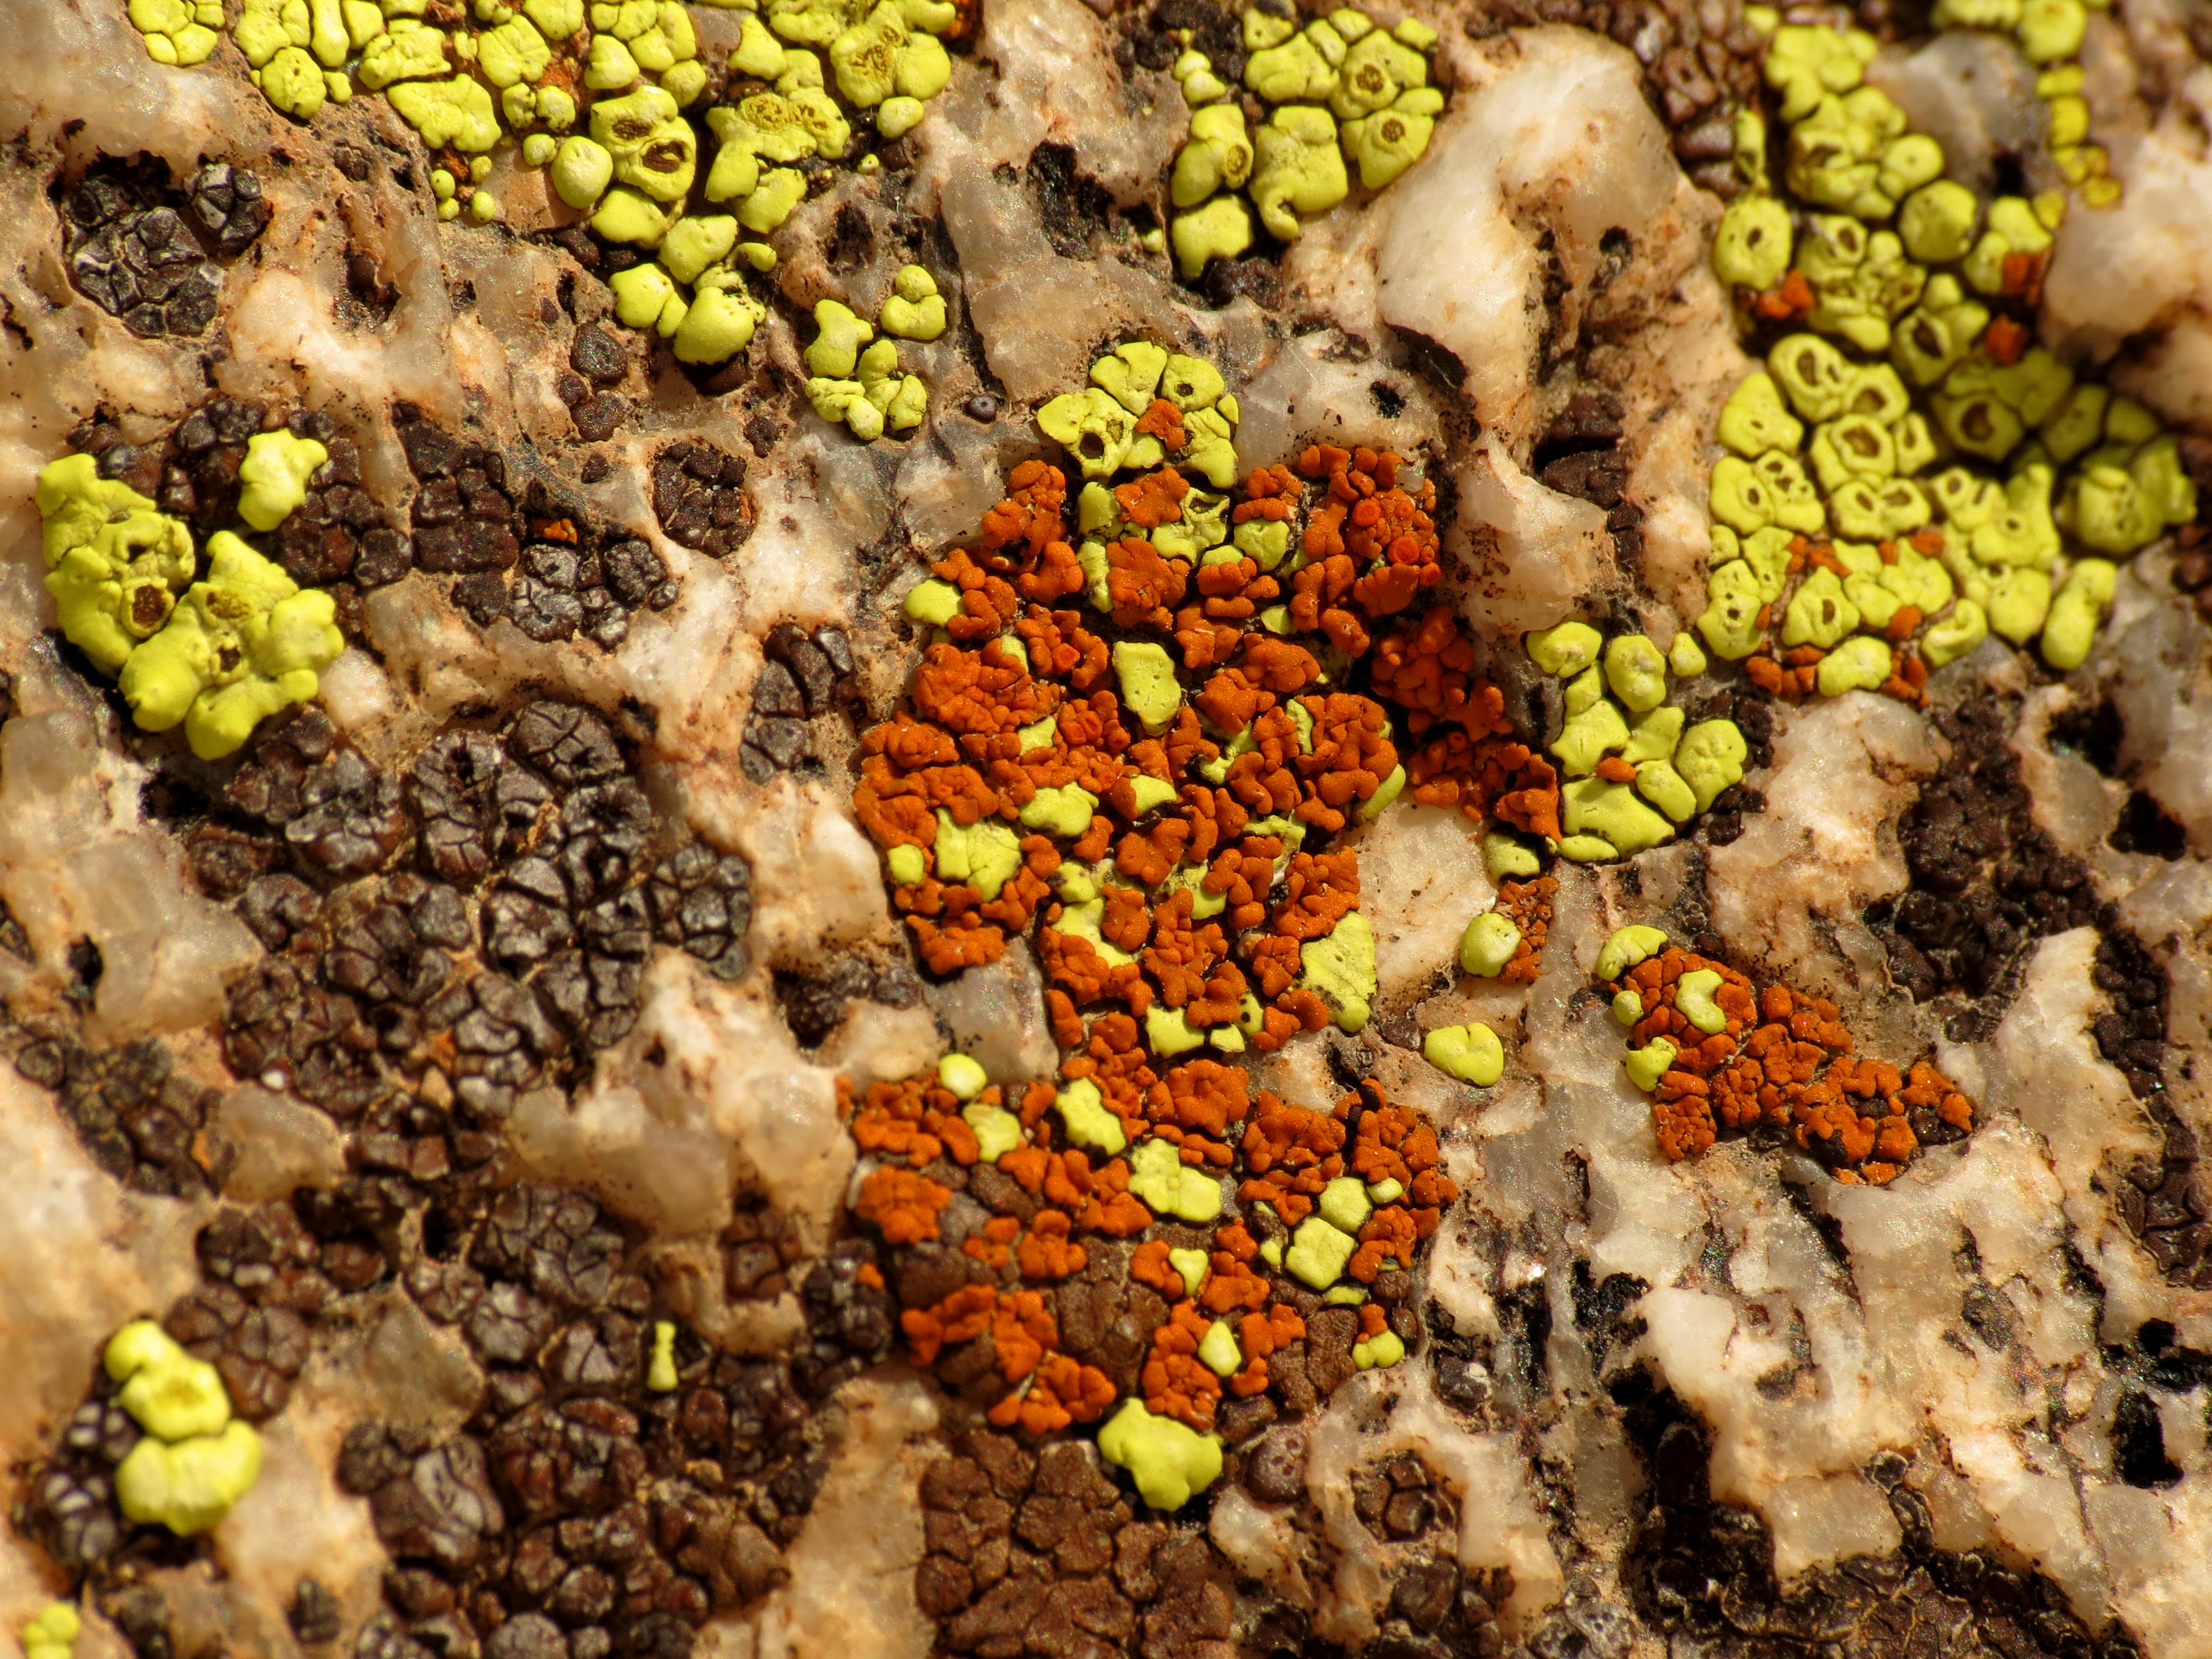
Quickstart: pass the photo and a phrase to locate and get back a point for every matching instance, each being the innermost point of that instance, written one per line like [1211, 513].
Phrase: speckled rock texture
[475, 1067]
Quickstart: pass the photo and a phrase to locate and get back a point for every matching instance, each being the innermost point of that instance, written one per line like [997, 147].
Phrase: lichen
[1949, 296]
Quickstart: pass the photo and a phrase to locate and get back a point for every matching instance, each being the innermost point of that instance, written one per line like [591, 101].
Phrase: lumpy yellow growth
[239, 647]
[196, 1461]
[1171, 1463]
[231, 649]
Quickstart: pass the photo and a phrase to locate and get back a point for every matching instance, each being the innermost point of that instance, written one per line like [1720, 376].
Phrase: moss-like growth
[275, 474]
[1218, 156]
[1222, 230]
[1729, 623]
[1298, 168]
[984, 855]
[1384, 144]
[458, 113]
[1149, 689]
[998, 1131]
[1344, 1204]
[1158, 1177]
[626, 216]
[1504, 858]
[2076, 610]
[1636, 672]
[1693, 1000]
[196, 1461]
[53, 1633]
[1628, 946]
[1812, 374]
[836, 348]
[1569, 649]
[660, 1375]
[1820, 612]
[1488, 943]
[1319, 1253]
[1953, 636]
[1083, 1114]
[1586, 736]
[1752, 246]
[1064, 812]
[916, 310]
[964, 1074]
[1647, 1065]
[113, 563]
[1807, 64]
[190, 1486]
[1658, 783]
[2018, 603]
[1612, 813]
[1340, 970]
[1171, 1463]
[1471, 1053]
[239, 647]
[1653, 737]
[1755, 420]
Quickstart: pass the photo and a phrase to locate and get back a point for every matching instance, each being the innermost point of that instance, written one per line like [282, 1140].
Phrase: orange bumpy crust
[1212, 851]
[1783, 1060]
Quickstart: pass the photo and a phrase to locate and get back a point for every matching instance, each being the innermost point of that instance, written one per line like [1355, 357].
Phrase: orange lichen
[1022, 1329]
[1389, 1234]
[987, 602]
[1184, 953]
[1528, 904]
[1071, 964]
[1032, 517]
[2005, 340]
[1494, 775]
[1175, 1381]
[1348, 757]
[1783, 1060]
[1060, 646]
[1292, 1154]
[1323, 889]
[1100, 1200]
[1047, 1251]
[960, 1317]
[1151, 1266]
[1792, 297]
[1428, 671]
[988, 728]
[1203, 1096]
[1142, 584]
[1154, 499]
[1232, 1285]
[892, 1118]
[963, 942]
[902, 1206]
[1163, 421]
[996, 1243]
[1061, 1392]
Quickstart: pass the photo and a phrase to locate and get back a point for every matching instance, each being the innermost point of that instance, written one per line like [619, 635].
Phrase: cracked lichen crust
[1343, 98]
[217, 655]
[602, 98]
[1877, 519]
[1149, 1318]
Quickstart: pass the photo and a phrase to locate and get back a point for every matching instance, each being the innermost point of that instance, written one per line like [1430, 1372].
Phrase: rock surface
[420, 1062]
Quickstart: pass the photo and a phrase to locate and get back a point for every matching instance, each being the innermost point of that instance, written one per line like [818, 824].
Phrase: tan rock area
[723, 999]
